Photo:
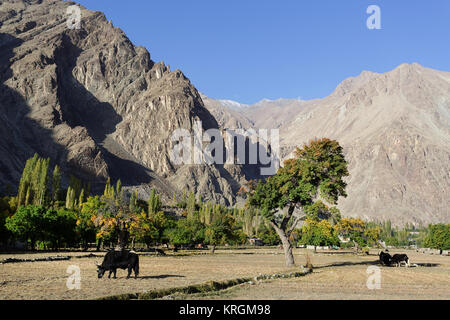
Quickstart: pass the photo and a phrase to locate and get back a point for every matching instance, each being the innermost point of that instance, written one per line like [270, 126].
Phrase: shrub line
[209, 286]
[52, 258]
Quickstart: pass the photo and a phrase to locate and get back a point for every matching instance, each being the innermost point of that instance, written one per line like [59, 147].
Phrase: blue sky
[247, 50]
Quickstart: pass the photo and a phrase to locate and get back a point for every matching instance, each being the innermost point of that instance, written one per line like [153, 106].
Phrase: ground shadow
[349, 263]
[371, 263]
[163, 276]
[427, 265]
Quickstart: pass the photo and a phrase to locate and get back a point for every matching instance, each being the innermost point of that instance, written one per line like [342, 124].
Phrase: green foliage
[320, 211]
[394, 236]
[85, 226]
[154, 202]
[315, 174]
[191, 205]
[35, 223]
[27, 223]
[33, 187]
[59, 227]
[317, 171]
[187, 231]
[268, 235]
[221, 231]
[438, 237]
[56, 184]
[7, 209]
[71, 202]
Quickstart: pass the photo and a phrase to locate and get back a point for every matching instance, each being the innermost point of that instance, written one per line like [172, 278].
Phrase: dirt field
[335, 276]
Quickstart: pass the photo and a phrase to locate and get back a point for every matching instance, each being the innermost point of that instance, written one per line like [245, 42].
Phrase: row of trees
[296, 206]
[46, 216]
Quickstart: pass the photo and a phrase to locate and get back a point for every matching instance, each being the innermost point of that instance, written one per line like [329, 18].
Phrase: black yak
[114, 260]
[385, 258]
[398, 259]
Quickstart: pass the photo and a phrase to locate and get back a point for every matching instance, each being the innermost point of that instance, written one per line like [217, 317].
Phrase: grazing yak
[385, 258]
[398, 259]
[114, 260]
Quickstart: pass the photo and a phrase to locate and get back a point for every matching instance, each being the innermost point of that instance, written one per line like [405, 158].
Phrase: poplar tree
[25, 180]
[35, 177]
[190, 206]
[81, 198]
[154, 202]
[56, 184]
[43, 182]
[119, 189]
[70, 198]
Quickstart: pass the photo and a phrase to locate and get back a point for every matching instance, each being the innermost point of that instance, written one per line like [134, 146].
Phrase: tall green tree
[25, 180]
[316, 173]
[86, 228]
[154, 202]
[221, 231]
[438, 237]
[56, 184]
[191, 205]
[33, 186]
[42, 189]
[70, 198]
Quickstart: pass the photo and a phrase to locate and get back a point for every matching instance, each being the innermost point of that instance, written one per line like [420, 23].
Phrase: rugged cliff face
[395, 130]
[96, 104]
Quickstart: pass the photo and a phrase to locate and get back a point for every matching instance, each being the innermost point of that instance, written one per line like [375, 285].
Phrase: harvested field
[340, 275]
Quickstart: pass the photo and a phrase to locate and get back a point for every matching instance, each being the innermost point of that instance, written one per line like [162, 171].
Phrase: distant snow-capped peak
[233, 104]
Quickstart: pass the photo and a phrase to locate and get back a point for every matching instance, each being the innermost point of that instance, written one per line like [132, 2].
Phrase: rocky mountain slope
[96, 104]
[395, 129]
[101, 108]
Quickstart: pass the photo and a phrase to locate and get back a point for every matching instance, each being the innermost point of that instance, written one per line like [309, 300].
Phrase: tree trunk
[123, 238]
[288, 253]
[356, 246]
[132, 242]
[213, 249]
[287, 246]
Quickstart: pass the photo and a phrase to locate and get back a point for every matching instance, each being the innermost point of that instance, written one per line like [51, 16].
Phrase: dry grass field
[336, 276]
